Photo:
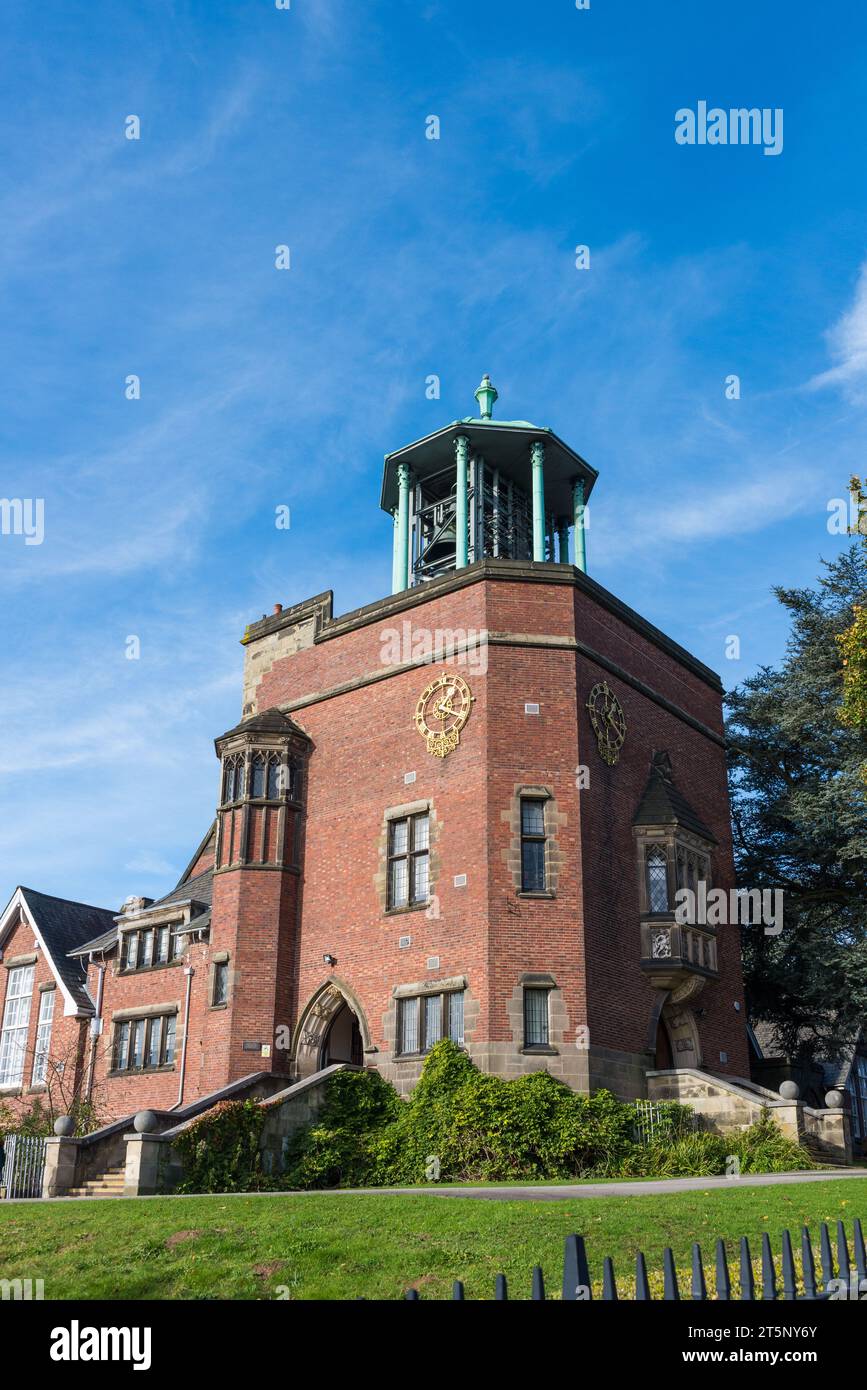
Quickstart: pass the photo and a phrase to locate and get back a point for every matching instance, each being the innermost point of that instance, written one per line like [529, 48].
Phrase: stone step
[107, 1184]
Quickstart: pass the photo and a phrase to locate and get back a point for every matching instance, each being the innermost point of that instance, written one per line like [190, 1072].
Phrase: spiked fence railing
[849, 1272]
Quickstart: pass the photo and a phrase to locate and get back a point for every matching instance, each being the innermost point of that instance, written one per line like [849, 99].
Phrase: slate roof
[663, 804]
[196, 890]
[835, 1070]
[270, 721]
[63, 926]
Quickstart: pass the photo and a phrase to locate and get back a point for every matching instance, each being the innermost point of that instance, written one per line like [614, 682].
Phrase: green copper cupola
[485, 489]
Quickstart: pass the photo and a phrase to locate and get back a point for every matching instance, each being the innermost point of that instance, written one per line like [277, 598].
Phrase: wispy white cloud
[847, 344]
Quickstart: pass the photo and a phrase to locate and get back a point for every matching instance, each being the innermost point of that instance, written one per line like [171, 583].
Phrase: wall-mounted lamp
[329, 959]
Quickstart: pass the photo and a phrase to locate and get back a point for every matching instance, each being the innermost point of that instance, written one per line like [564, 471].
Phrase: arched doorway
[342, 1042]
[332, 1028]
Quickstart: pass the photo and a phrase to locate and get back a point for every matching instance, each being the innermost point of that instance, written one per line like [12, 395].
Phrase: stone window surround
[380, 878]
[427, 990]
[422, 989]
[170, 916]
[220, 958]
[554, 857]
[558, 1019]
[133, 1015]
[30, 958]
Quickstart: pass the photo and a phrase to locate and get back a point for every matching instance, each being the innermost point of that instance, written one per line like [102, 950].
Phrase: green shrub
[764, 1148]
[463, 1125]
[459, 1125]
[220, 1149]
[336, 1150]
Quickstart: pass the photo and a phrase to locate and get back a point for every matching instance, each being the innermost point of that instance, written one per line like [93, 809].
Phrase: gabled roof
[270, 721]
[663, 804]
[61, 925]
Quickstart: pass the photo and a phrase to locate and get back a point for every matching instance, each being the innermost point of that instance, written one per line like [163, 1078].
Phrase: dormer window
[147, 947]
[657, 880]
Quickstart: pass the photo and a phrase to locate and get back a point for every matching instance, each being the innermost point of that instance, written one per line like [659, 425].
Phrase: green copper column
[401, 559]
[563, 540]
[537, 455]
[462, 454]
[580, 543]
[396, 572]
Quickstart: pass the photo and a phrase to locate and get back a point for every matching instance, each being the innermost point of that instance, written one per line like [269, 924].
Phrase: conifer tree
[799, 807]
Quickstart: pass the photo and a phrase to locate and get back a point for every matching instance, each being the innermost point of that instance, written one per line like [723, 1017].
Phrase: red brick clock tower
[541, 768]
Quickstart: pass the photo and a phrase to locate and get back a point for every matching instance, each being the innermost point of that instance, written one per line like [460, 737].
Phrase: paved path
[567, 1193]
[649, 1188]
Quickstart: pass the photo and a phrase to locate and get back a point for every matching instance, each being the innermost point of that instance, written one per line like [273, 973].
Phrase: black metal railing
[843, 1279]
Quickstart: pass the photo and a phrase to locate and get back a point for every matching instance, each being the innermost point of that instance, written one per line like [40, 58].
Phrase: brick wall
[68, 1033]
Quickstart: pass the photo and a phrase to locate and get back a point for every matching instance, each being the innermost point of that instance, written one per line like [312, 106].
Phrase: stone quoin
[442, 842]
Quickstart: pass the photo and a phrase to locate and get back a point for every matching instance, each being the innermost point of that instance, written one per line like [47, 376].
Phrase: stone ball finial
[145, 1122]
[64, 1126]
[790, 1090]
[834, 1100]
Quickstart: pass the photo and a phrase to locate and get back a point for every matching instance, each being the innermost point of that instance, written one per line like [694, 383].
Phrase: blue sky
[410, 257]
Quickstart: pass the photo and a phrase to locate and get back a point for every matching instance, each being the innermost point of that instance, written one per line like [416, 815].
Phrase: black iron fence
[842, 1277]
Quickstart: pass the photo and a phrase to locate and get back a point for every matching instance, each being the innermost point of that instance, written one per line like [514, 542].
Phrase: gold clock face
[442, 710]
[608, 720]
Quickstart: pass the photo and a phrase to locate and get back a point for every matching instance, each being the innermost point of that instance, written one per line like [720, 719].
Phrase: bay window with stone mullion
[234, 779]
[147, 947]
[144, 1044]
[424, 1020]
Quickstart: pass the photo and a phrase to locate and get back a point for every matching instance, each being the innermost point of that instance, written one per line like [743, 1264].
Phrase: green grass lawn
[321, 1247]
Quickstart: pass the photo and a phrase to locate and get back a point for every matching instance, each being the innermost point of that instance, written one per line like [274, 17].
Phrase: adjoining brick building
[463, 810]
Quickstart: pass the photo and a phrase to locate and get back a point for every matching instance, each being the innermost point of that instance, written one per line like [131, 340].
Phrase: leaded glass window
[657, 881]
